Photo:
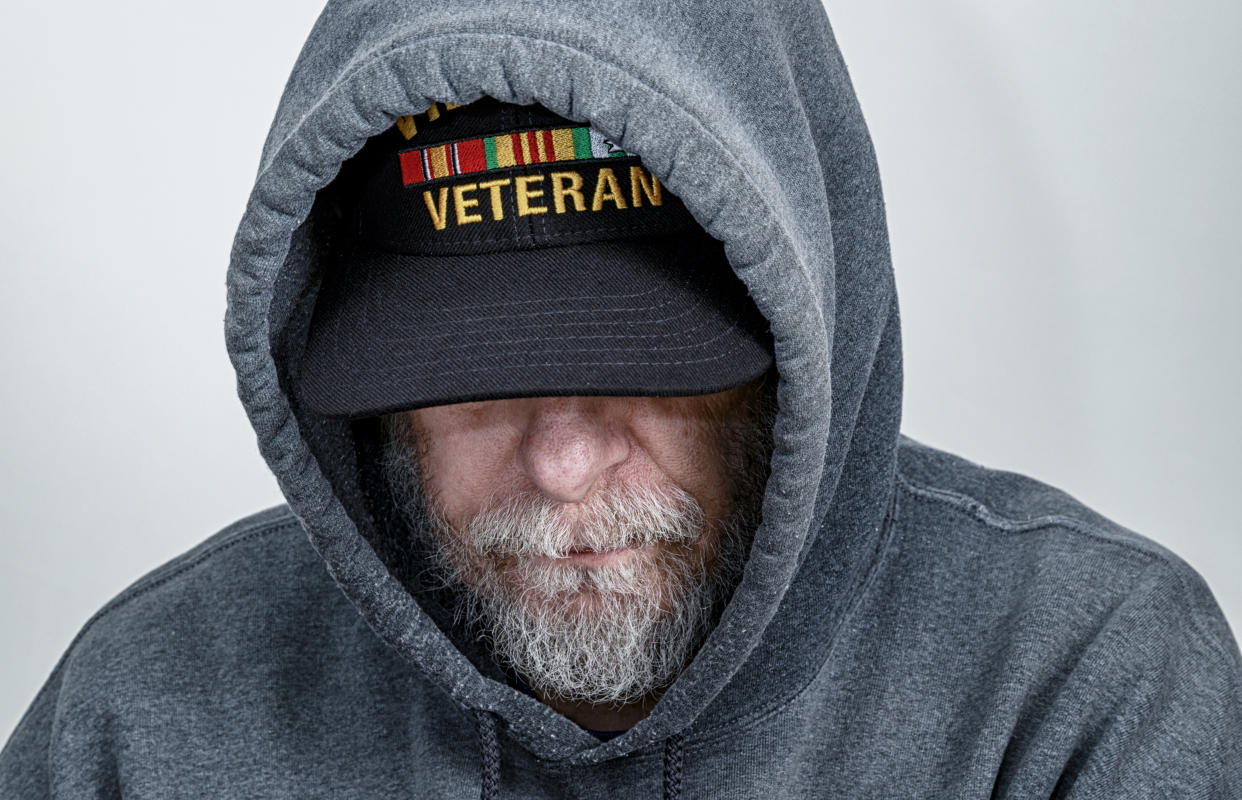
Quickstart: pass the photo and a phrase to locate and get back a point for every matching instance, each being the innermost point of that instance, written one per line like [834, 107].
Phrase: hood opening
[801, 218]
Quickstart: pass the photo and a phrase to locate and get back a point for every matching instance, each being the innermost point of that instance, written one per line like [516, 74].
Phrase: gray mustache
[530, 524]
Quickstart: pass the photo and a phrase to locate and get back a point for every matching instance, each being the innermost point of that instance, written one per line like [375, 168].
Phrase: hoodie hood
[745, 111]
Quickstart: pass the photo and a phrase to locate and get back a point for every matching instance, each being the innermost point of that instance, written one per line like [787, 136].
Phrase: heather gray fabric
[909, 624]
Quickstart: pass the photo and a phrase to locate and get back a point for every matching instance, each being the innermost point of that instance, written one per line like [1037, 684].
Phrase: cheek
[463, 469]
[688, 452]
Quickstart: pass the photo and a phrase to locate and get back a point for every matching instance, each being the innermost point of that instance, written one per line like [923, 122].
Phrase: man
[584, 404]
[526, 423]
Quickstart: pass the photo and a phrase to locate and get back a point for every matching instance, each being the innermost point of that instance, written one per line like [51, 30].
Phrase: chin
[567, 588]
[583, 605]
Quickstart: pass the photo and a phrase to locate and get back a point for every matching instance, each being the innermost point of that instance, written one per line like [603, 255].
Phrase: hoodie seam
[981, 512]
[975, 508]
[148, 584]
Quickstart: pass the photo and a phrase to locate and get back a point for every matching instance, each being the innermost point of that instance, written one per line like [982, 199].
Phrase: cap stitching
[456, 324]
[410, 364]
[626, 336]
[528, 365]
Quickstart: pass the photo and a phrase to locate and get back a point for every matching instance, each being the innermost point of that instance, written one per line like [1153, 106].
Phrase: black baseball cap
[492, 250]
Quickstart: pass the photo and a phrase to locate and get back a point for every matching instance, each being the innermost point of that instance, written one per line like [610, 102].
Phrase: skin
[566, 447]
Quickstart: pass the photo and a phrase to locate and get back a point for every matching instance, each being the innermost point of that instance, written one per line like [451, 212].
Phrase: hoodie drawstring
[672, 768]
[489, 748]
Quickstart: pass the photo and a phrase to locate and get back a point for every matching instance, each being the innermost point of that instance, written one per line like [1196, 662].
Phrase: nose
[569, 442]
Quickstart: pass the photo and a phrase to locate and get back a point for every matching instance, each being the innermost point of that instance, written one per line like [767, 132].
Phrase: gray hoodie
[909, 624]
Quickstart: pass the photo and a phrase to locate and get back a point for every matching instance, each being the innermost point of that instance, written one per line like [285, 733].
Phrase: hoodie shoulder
[246, 554]
[241, 585]
[157, 634]
[214, 552]
[1032, 521]
[1009, 502]
[1041, 548]
[217, 593]
[1111, 648]
[247, 632]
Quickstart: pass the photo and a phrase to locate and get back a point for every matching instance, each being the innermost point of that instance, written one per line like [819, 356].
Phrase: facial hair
[601, 634]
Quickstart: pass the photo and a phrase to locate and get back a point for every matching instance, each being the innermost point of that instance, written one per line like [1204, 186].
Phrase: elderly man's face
[595, 537]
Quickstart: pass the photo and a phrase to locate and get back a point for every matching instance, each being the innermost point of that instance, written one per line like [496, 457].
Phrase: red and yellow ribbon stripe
[542, 146]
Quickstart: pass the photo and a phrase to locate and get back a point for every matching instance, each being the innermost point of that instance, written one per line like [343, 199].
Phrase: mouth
[594, 558]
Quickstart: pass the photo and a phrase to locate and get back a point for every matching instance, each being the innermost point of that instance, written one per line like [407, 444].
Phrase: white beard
[600, 634]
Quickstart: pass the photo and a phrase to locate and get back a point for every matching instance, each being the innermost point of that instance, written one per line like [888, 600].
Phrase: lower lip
[594, 558]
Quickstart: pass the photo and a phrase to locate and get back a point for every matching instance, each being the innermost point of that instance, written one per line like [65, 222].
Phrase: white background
[1062, 182]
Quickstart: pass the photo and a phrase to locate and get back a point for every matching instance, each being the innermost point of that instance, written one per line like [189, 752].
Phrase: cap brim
[658, 316]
